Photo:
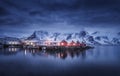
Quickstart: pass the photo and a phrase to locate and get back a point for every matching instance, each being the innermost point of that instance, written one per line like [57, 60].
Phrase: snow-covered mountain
[95, 38]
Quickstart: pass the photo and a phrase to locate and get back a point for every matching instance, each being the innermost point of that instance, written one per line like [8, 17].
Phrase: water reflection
[101, 59]
[9, 51]
[35, 52]
[98, 53]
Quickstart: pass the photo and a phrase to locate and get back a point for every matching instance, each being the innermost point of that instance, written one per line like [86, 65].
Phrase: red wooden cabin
[63, 43]
[72, 43]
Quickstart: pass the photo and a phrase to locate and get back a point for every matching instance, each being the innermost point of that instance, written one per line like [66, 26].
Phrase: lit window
[15, 42]
[9, 42]
[62, 43]
[74, 44]
[34, 45]
[58, 44]
[31, 43]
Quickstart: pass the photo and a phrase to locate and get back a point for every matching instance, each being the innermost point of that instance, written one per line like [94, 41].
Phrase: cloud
[3, 12]
[49, 13]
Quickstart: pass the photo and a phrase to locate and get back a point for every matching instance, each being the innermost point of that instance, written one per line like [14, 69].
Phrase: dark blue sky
[22, 17]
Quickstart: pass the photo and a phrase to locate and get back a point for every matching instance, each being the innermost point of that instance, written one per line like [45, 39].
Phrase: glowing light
[31, 43]
[34, 45]
[74, 44]
[62, 43]
[58, 44]
[25, 52]
[47, 42]
[9, 42]
[62, 55]
[27, 43]
[12, 49]
[12, 42]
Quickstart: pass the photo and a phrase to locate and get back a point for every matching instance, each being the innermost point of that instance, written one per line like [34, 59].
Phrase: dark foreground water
[102, 60]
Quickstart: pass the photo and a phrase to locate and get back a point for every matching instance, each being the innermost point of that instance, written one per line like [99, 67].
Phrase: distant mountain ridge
[95, 38]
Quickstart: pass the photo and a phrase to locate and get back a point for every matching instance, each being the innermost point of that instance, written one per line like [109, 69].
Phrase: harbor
[43, 44]
[52, 48]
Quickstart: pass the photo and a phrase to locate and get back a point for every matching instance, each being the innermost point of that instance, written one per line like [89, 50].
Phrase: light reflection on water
[25, 61]
[35, 52]
[99, 52]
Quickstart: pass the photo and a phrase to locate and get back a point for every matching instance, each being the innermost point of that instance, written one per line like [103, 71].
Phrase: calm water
[102, 60]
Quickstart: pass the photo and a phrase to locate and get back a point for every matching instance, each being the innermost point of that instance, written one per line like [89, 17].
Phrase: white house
[52, 43]
[11, 41]
[31, 42]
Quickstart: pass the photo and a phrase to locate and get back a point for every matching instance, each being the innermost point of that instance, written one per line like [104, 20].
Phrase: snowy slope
[95, 38]
[101, 38]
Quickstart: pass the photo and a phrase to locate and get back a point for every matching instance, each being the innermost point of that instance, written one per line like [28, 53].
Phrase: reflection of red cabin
[63, 43]
[72, 43]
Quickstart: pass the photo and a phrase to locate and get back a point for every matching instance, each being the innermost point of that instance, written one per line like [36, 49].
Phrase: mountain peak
[96, 32]
[82, 36]
[83, 33]
[33, 35]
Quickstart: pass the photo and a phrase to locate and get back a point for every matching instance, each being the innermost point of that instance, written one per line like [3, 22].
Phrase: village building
[78, 43]
[63, 43]
[52, 43]
[72, 43]
[30, 42]
[83, 44]
[11, 41]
